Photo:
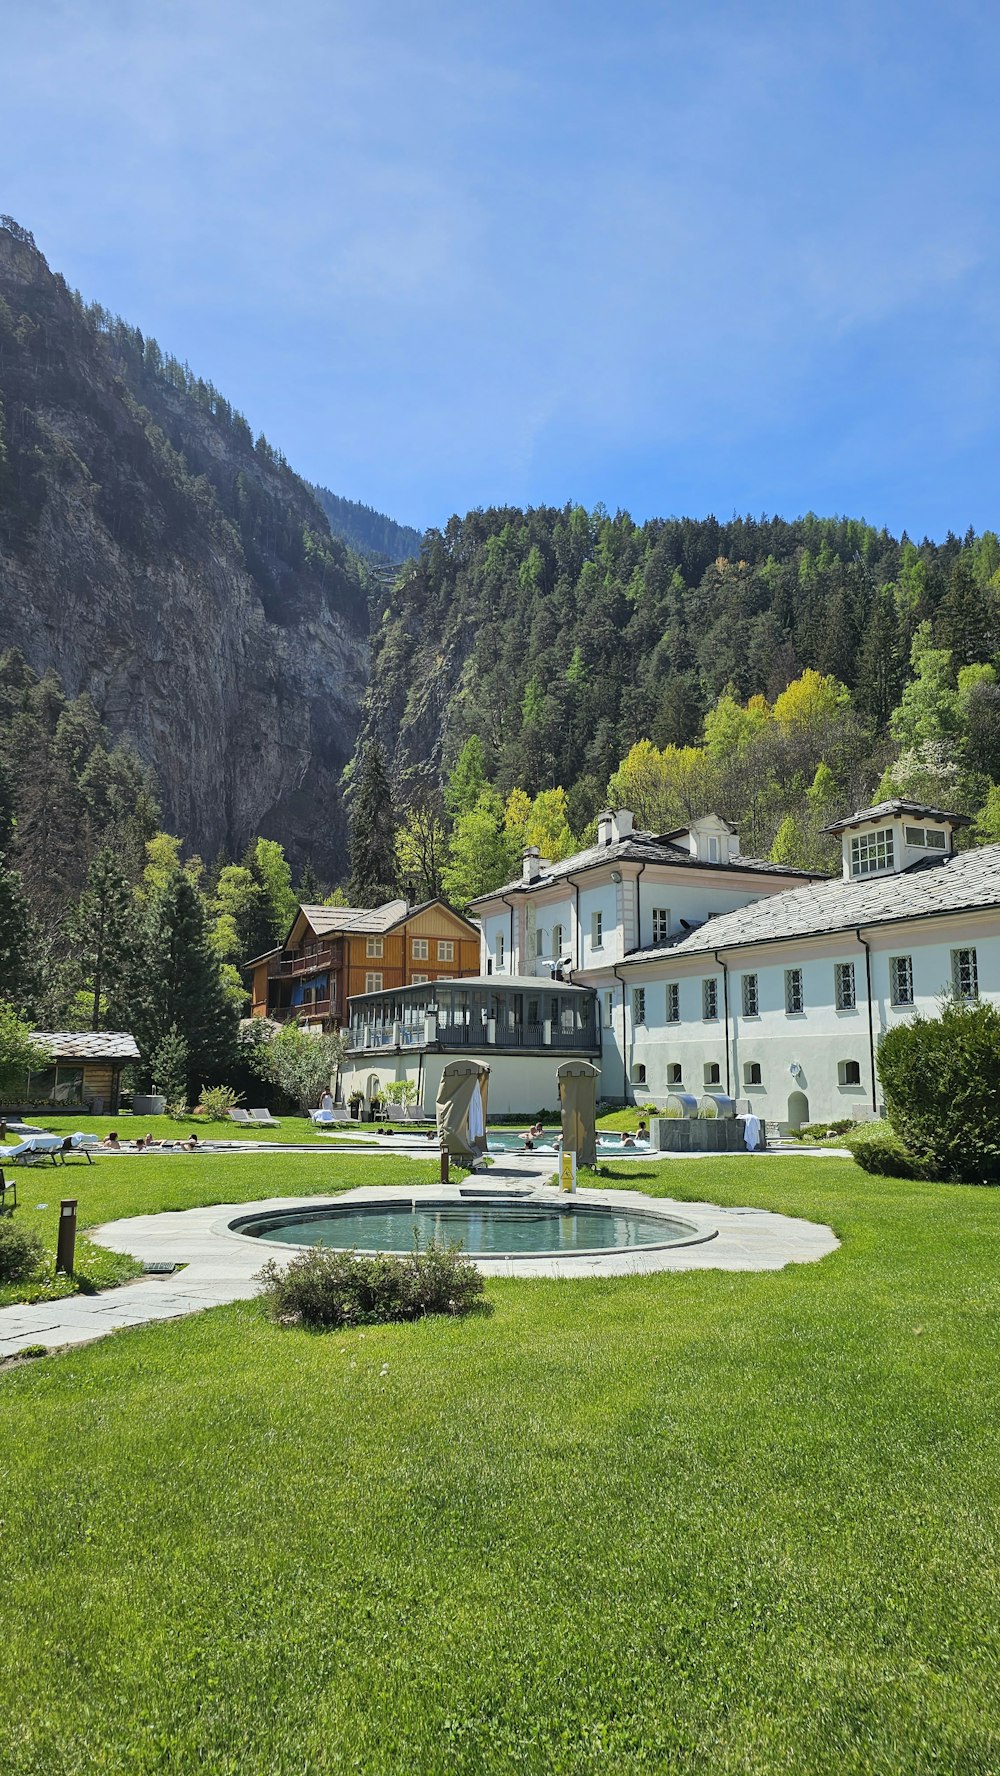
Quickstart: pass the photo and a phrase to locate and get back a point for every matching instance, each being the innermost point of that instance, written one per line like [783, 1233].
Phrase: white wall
[816, 1040]
[520, 1085]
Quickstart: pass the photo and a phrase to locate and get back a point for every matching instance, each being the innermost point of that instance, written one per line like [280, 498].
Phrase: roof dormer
[894, 836]
[712, 840]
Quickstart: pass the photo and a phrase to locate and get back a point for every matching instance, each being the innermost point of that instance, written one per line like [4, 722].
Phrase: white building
[714, 970]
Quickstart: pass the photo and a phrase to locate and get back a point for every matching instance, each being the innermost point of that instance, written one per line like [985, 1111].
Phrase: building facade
[332, 953]
[523, 1028]
[721, 972]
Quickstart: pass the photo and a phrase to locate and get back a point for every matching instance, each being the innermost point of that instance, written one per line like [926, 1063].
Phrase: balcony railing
[475, 1036]
[313, 1008]
[323, 956]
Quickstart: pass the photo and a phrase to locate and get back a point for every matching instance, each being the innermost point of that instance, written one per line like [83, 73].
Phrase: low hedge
[879, 1150]
[325, 1290]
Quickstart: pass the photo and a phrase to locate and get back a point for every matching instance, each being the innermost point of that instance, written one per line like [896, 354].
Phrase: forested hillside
[368, 532]
[164, 561]
[561, 640]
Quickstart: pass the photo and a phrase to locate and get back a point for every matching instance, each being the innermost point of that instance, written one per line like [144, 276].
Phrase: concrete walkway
[220, 1266]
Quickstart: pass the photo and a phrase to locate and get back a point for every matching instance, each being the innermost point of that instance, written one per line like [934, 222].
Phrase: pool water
[489, 1229]
[506, 1142]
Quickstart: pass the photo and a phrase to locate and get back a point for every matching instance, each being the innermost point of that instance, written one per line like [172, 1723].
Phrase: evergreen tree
[467, 780]
[373, 832]
[178, 984]
[310, 889]
[100, 929]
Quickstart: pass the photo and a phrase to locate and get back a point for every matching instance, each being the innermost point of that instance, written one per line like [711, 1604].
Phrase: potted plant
[354, 1104]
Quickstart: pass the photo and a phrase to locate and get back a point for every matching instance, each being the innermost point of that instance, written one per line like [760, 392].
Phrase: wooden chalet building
[333, 953]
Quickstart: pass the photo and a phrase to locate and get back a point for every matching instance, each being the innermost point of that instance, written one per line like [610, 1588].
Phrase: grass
[167, 1128]
[142, 1184]
[702, 1523]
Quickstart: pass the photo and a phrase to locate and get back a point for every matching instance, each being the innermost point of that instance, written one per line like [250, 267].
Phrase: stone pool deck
[220, 1267]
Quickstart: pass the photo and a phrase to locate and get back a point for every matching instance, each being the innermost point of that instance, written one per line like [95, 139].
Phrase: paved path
[220, 1266]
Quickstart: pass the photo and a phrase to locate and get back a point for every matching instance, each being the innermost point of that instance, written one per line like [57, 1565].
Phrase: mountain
[368, 532]
[562, 637]
[162, 560]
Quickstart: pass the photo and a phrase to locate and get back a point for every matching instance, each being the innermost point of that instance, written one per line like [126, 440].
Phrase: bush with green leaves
[941, 1079]
[299, 1062]
[217, 1100]
[19, 1052]
[876, 1149]
[21, 1251]
[321, 1289]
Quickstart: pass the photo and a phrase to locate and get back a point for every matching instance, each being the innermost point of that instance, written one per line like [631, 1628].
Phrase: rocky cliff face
[159, 559]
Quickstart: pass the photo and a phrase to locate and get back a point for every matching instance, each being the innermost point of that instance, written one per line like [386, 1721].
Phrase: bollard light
[445, 1176]
[66, 1243]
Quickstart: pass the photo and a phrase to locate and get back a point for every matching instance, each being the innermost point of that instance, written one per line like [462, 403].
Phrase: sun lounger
[241, 1116]
[322, 1118]
[32, 1148]
[264, 1118]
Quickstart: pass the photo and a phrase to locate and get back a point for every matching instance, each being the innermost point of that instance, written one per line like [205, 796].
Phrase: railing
[323, 956]
[309, 1008]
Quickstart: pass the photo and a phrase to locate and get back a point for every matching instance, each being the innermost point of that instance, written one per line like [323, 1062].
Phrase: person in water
[642, 1132]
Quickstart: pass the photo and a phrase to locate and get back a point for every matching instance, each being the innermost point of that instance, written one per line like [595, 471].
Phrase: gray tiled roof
[88, 1045]
[893, 810]
[328, 921]
[966, 882]
[639, 847]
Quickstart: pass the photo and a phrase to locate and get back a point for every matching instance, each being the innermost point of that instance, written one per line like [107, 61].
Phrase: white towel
[751, 1132]
[476, 1129]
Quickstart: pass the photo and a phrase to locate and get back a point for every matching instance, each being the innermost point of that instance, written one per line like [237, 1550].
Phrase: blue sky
[678, 258]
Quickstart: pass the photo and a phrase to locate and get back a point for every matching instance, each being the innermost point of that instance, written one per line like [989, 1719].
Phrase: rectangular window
[499, 949]
[710, 998]
[712, 1074]
[373, 948]
[373, 983]
[609, 1008]
[597, 931]
[421, 949]
[539, 942]
[661, 924]
[446, 950]
[871, 852]
[674, 1074]
[843, 985]
[924, 838]
[901, 979]
[965, 974]
[673, 1003]
[794, 1001]
[849, 1072]
[557, 941]
[751, 996]
[751, 1073]
[420, 980]
[639, 1005]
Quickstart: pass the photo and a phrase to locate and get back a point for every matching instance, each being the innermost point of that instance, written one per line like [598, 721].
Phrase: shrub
[178, 1111]
[218, 1100]
[941, 1078]
[21, 1251]
[879, 1150]
[323, 1289]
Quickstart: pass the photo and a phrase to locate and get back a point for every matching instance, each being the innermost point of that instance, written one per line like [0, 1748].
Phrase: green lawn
[700, 1523]
[117, 1185]
[168, 1128]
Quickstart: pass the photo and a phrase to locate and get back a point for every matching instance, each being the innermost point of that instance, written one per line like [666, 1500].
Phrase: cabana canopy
[461, 1108]
[578, 1102]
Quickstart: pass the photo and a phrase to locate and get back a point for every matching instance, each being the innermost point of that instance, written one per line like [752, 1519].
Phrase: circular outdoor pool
[528, 1228]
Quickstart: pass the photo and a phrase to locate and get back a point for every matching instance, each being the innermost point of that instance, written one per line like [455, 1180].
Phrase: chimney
[621, 825]
[531, 868]
[604, 821]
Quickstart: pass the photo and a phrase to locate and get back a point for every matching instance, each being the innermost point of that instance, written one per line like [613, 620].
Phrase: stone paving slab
[220, 1266]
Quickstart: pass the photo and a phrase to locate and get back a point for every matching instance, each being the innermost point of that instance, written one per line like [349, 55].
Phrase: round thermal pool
[534, 1227]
